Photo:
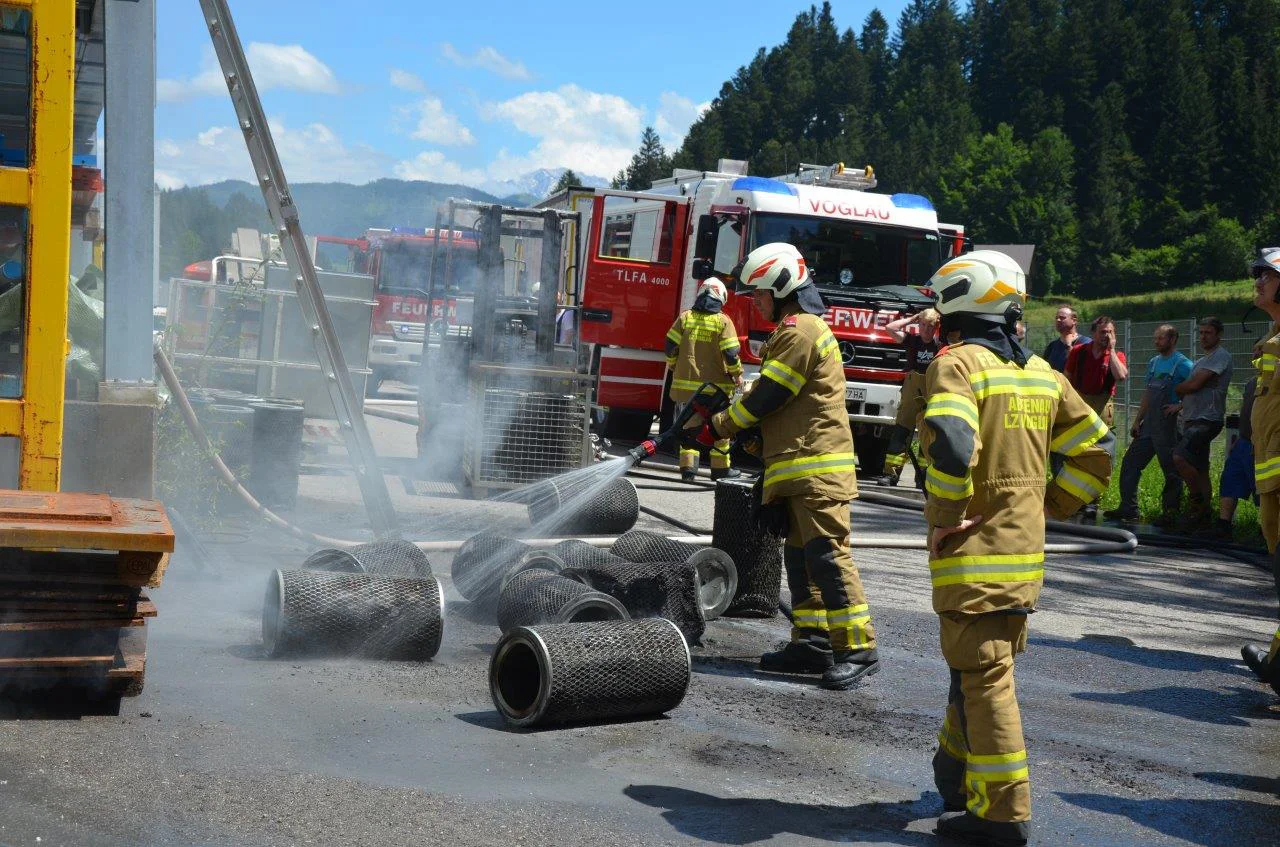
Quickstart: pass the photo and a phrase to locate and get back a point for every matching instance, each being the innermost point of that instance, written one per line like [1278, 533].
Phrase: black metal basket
[575, 672]
[383, 617]
[757, 554]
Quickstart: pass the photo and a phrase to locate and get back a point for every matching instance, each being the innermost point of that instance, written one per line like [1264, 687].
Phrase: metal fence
[1136, 339]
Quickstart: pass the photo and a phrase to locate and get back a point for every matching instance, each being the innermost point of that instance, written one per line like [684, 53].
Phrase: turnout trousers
[827, 600]
[719, 453]
[981, 763]
[1269, 520]
[911, 405]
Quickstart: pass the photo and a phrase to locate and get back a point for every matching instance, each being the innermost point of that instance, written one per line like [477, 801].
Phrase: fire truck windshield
[406, 266]
[851, 255]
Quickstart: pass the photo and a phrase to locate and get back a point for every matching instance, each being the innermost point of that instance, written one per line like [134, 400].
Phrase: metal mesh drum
[580, 554]
[650, 590]
[480, 563]
[717, 574]
[575, 672]
[758, 555]
[539, 596]
[383, 617]
[612, 509]
[388, 558]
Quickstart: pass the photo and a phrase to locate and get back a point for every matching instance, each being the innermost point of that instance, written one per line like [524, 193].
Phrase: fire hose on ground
[1107, 540]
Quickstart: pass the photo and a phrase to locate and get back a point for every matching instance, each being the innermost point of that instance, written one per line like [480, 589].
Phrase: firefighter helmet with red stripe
[777, 268]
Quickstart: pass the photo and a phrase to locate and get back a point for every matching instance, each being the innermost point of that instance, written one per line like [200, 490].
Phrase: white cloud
[589, 131]
[433, 166]
[487, 58]
[674, 117]
[313, 153]
[287, 66]
[437, 125]
[406, 81]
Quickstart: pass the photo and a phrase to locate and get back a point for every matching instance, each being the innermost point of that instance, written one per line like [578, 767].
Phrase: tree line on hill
[1132, 141]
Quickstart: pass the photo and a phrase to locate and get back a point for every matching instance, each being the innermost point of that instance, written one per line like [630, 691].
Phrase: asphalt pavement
[1143, 726]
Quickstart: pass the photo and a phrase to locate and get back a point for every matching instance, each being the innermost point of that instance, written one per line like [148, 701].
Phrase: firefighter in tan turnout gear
[702, 347]
[798, 404]
[995, 412]
[1265, 661]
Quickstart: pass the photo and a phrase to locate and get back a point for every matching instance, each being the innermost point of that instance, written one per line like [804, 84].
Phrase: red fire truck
[645, 252]
[400, 262]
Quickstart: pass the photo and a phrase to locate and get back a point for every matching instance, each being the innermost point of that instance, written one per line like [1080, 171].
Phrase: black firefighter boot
[808, 655]
[849, 666]
[968, 828]
[1255, 655]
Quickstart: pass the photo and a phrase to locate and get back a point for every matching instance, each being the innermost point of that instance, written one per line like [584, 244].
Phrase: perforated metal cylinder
[574, 672]
[379, 617]
[650, 590]
[758, 555]
[559, 507]
[717, 574]
[537, 596]
[388, 558]
[480, 563]
[580, 554]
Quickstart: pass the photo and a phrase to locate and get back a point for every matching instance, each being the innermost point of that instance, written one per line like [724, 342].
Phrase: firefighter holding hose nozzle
[809, 474]
[994, 413]
[1264, 661]
[702, 347]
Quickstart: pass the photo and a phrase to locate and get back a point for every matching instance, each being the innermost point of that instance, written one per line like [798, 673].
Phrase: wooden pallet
[72, 609]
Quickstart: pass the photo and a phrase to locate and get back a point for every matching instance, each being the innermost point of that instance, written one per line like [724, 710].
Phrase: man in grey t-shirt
[1204, 407]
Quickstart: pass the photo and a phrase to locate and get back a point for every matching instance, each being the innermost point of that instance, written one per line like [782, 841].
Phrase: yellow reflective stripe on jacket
[1266, 363]
[947, 486]
[783, 375]
[703, 327]
[674, 335]
[775, 472]
[1001, 767]
[825, 343]
[1083, 485]
[1026, 383]
[741, 417]
[956, 405]
[1266, 469]
[995, 567]
[1080, 437]
[729, 344]
[694, 385]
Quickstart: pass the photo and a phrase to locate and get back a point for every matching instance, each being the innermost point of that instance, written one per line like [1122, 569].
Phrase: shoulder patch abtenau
[789, 320]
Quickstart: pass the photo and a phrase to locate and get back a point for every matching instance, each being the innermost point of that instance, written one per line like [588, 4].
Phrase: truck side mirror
[703, 269]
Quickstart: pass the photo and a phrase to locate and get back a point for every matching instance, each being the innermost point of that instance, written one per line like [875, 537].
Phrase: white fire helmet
[715, 288]
[1268, 260]
[777, 268]
[984, 282]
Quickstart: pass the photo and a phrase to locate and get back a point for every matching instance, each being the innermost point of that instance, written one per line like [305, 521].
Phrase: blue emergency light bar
[760, 183]
[912, 201]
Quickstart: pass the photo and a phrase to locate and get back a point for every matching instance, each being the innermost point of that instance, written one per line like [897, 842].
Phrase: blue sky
[476, 93]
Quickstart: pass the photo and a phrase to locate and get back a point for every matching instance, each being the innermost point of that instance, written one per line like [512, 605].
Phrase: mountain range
[337, 208]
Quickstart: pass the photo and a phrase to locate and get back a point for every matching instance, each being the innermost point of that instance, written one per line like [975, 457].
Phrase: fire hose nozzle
[643, 450]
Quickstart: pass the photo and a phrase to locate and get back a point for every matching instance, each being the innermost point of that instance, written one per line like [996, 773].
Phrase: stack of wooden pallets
[73, 609]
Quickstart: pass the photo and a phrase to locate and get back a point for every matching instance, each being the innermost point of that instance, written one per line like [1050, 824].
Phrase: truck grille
[869, 354]
[408, 332]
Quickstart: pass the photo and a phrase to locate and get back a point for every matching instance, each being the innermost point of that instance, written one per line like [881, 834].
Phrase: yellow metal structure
[44, 189]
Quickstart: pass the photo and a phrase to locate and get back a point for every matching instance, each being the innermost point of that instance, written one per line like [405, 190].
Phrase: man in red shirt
[1094, 369]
